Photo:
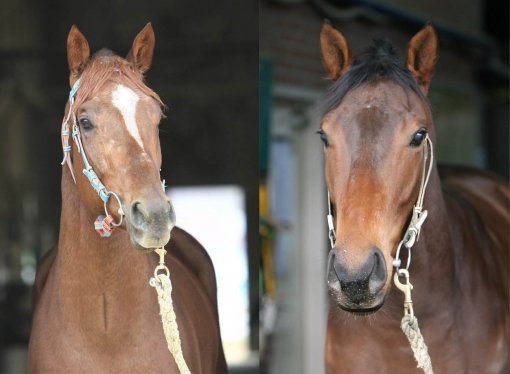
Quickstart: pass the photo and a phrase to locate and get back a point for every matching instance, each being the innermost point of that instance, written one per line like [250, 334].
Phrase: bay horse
[94, 309]
[377, 133]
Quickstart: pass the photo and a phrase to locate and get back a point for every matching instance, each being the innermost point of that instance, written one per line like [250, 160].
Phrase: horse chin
[369, 305]
[361, 311]
[138, 247]
[147, 241]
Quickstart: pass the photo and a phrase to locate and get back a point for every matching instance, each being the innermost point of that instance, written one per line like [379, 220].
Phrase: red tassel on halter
[103, 225]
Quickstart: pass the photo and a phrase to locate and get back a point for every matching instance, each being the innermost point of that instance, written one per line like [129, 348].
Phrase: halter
[419, 216]
[105, 223]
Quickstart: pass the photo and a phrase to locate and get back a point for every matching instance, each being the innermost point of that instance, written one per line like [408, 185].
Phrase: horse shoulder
[488, 194]
[483, 201]
[43, 269]
[479, 187]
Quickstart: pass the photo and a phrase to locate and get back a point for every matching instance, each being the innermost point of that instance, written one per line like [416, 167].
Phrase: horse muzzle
[149, 223]
[358, 290]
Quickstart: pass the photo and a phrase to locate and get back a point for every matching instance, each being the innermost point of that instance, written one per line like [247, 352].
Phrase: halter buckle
[412, 234]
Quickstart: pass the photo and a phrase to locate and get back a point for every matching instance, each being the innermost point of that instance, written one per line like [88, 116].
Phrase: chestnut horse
[377, 131]
[94, 309]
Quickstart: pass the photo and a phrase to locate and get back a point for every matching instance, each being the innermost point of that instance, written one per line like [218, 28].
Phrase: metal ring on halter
[161, 267]
[397, 261]
[121, 212]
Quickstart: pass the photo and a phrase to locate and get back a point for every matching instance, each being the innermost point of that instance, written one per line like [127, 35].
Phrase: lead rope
[161, 282]
[409, 323]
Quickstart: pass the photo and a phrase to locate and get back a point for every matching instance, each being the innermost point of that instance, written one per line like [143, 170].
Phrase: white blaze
[125, 99]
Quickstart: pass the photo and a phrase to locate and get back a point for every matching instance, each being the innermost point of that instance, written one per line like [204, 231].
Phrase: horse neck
[96, 275]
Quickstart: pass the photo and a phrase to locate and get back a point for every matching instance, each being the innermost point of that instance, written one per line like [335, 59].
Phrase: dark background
[205, 69]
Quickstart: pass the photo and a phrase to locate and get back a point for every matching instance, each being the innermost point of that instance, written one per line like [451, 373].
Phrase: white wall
[298, 201]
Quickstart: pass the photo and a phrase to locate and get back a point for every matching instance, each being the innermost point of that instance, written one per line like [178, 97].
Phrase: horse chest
[131, 340]
[360, 345]
[352, 347]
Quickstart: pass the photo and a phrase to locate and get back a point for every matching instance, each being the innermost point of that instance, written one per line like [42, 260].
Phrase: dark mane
[380, 61]
[104, 66]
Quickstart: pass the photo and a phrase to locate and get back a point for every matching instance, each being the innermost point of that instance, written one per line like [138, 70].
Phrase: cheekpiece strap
[96, 184]
[66, 148]
[75, 87]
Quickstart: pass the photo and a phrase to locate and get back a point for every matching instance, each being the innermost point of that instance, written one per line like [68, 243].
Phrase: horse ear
[336, 56]
[422, 56]
[142, 50]
[78, 52]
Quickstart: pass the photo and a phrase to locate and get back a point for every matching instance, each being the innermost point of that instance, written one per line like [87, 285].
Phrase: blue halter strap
[104, 224]
[89, 172]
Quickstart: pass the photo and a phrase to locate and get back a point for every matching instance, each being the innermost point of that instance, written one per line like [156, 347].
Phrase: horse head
[115, 119]
[374, 129]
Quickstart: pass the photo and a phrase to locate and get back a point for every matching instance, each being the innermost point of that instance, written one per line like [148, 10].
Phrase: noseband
[419, 215]
[104, 224]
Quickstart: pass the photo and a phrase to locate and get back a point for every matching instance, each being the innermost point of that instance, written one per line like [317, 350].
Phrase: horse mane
[104, 66]
[380, 61]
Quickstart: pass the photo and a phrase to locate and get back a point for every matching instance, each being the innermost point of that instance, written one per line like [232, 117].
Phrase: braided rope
[163, 286]
[409, 325]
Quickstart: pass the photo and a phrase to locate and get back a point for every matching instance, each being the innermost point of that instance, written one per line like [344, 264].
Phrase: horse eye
[418, 137]
[323, 137]
[86, 124]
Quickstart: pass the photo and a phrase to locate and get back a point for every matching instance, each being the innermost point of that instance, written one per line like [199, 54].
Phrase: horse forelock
[106, 66]
[379, 62]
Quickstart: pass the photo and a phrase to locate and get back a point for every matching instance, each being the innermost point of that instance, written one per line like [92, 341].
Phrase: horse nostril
[338, 269]
[139, 214]
[369, 278]
[377, 277]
